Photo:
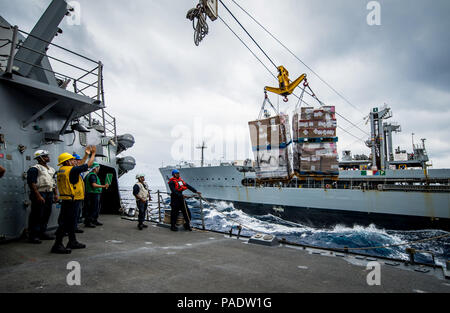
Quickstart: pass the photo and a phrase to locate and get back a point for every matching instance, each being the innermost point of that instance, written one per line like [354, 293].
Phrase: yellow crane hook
[286, 87]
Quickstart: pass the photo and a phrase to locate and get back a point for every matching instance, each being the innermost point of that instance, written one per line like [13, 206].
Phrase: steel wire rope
[295, 56]
[237, 36]
[309, 68]
[308, 93]
[248, 34]
[336, 113]
[231, 219]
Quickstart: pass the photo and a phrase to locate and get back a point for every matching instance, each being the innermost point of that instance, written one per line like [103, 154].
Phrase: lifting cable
[343, 117]
[229, 218]
[309, 68]
[248, 34]
[237, 36]
[310, 93]
[295, 56]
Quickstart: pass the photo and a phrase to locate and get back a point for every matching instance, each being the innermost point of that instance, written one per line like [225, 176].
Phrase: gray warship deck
[120, 258]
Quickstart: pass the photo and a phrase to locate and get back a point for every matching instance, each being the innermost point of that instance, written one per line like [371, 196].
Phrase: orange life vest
[180, 185]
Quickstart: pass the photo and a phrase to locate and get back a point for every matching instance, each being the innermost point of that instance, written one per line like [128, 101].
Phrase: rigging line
[248, 33]
[350, 145]
[237, 36]
[337, 125]
[347, 120]
[331, 87]
[307, 92]
[357, 123]
[352, 134]
[354, 125]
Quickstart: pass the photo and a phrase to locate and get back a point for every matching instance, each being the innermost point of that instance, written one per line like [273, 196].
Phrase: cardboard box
[323, 113]
[316, 132]
[272, 132]
[332, 123]
[272, 147]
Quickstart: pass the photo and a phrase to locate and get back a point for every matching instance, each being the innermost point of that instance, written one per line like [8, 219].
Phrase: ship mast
[203, 147]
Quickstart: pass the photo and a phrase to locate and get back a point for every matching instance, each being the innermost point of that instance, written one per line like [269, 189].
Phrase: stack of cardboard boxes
[271, 144]
[314, 132]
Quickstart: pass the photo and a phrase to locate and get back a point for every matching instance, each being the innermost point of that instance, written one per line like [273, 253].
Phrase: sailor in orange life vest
[177, 202]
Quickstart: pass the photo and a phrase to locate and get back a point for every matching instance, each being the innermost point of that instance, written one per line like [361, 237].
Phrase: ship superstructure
[51, 98]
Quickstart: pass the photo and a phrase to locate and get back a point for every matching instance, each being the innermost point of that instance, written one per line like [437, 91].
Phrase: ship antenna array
[312, 94]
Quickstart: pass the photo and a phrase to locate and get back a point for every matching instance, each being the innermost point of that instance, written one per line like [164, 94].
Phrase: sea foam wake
[223, 216]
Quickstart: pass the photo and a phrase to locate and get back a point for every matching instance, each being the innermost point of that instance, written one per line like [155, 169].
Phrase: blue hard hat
[76, 156]
[175, 172]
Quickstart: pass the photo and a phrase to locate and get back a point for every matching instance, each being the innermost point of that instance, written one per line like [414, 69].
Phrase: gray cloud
[156, 78]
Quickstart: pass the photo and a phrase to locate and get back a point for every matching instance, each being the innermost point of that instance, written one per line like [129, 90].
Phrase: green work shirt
[89, 187]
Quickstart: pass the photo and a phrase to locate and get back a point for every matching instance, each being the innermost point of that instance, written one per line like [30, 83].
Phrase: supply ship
[391, 188]
[51, 98]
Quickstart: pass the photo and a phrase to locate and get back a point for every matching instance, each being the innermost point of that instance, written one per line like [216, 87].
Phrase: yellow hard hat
[64, 157]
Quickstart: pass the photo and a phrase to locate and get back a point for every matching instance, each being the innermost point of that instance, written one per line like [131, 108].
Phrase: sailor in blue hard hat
[177, 202]
[78, 159]
[80, 206]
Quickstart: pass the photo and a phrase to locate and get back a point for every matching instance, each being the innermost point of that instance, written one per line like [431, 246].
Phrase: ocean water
[222, 216]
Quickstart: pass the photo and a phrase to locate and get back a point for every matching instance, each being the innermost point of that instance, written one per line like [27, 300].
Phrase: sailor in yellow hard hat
[71, 192]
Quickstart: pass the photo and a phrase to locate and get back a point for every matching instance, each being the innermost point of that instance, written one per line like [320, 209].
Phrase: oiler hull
[322, 207]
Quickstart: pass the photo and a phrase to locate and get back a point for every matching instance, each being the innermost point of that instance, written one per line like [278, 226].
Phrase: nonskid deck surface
[120, 258]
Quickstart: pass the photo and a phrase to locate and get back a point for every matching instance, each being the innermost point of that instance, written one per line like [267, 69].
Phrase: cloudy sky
[166, 91]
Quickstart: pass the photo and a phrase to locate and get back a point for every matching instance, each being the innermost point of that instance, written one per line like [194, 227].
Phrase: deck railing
[85, 73]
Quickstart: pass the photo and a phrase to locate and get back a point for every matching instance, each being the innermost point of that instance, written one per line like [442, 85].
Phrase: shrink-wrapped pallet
[271, 144]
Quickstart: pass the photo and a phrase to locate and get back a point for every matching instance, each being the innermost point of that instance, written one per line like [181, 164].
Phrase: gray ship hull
[322, 207]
